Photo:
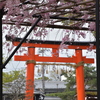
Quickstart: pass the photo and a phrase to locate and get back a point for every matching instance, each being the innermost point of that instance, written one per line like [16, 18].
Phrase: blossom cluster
[22, 11]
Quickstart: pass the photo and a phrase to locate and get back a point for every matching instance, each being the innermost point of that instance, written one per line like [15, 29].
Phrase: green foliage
[90, 76]
[70, 79]
[12, 75]
[55, 94]
[45, 78]
[69, 95]
[70, 91]
[64, 95]
[14, 83]
[91, 93]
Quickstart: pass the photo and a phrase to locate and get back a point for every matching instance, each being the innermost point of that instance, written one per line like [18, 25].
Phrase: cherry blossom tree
[21, 14]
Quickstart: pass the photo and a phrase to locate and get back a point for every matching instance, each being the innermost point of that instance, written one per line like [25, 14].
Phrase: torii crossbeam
[31, 59]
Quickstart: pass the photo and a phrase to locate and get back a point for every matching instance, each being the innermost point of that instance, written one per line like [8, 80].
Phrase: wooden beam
[52, 45]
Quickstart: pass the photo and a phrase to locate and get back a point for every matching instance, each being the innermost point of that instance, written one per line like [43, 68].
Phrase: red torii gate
[31, 59]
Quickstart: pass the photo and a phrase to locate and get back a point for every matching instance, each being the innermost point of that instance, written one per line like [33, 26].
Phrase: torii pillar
[29, 95]
[80, 76]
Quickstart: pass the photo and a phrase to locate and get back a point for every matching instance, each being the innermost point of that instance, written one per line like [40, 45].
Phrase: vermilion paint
[80, 76]
[29, 95]
[31, 57]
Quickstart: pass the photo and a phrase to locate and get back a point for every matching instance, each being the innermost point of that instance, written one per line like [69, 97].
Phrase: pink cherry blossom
[18, 12]
[90, 47]
[92, 26]
[83, 34]
[66, 38]
[2, 4]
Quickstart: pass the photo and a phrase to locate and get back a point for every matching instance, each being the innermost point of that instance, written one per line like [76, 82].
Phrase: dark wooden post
[1, 15]
[98, 46]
